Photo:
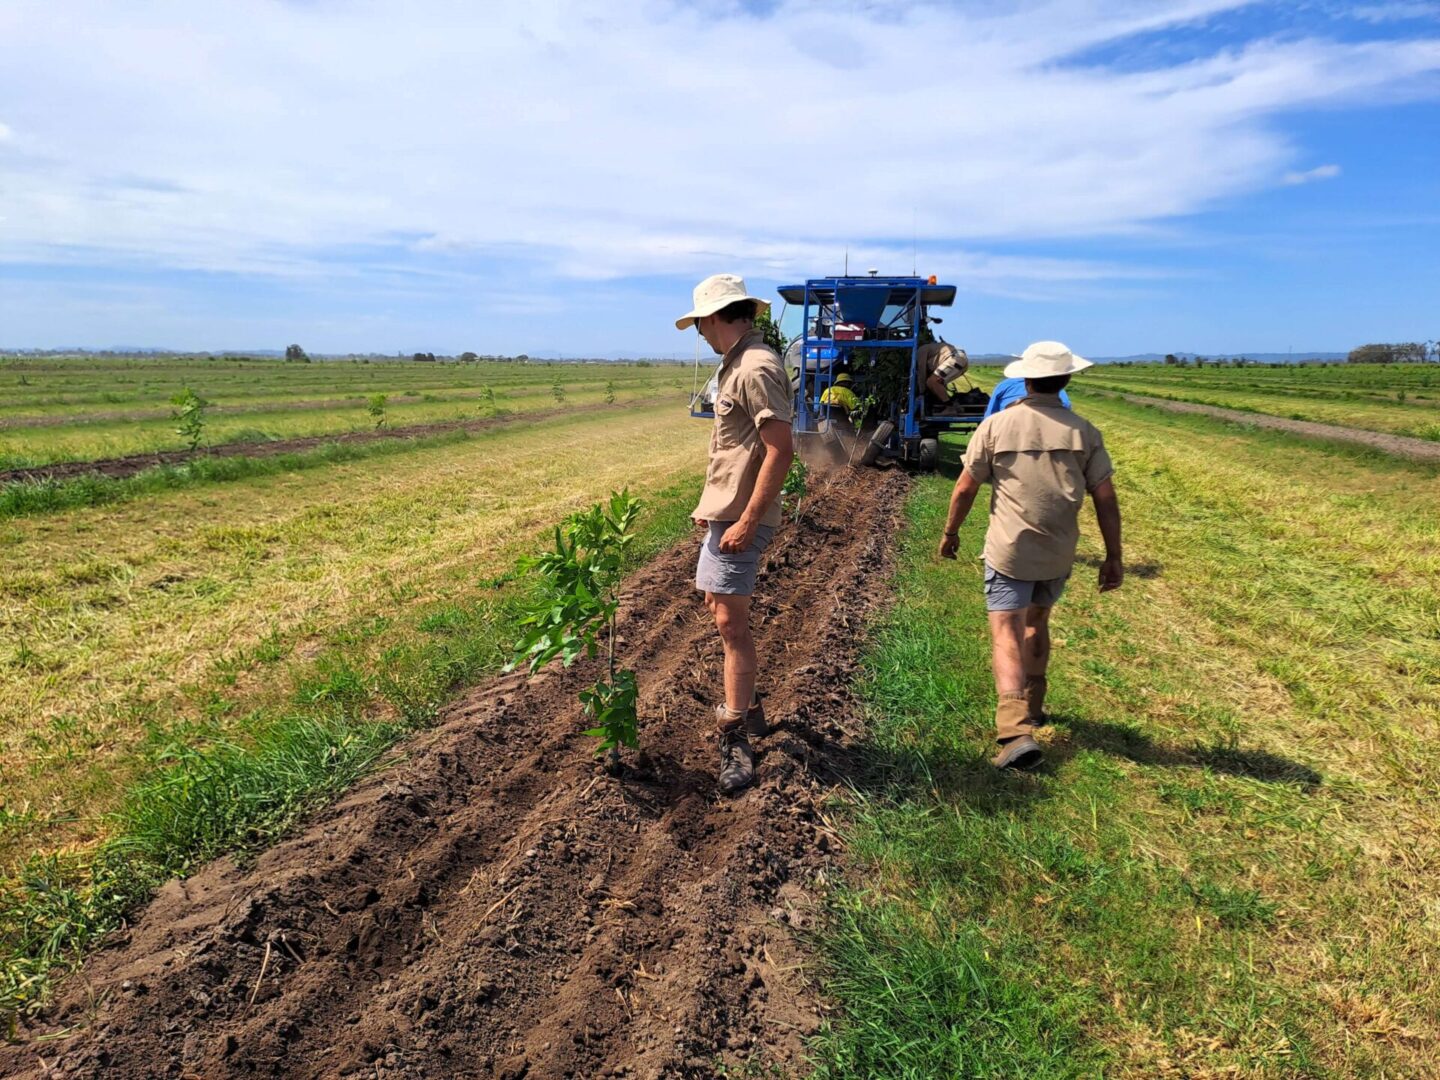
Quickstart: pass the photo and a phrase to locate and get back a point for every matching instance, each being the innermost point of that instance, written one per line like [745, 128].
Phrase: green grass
[1397, 399]
[1218, 870]
[28, 498]
[205, 795]
[88, 408]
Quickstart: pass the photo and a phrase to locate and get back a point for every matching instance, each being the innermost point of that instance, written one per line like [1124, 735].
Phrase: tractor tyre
[877, 442]
[929, 456]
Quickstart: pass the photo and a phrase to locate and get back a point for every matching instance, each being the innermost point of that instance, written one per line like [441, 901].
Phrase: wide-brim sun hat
[1045, 360]
[715, 292]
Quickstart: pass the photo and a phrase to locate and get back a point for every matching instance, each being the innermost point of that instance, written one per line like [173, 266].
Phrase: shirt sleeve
[978, 455]
[765, 393]
[999, 399]
[1098, 467]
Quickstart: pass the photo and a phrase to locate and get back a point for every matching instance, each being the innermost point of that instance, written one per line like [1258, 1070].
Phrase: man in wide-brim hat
[750, 452]
[1040, 459]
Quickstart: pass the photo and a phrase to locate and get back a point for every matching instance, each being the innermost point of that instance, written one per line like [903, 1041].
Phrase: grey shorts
[730, 575]
[1004, 593]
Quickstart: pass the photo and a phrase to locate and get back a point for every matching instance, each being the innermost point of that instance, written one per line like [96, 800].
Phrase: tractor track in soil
[495, 906]
[131, 464]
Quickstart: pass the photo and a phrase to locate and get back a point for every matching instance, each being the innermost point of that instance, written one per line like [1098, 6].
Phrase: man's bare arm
[961, 500]
[1107, 515]
[779, 452]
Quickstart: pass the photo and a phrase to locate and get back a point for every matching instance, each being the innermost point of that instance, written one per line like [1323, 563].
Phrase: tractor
[872, 327]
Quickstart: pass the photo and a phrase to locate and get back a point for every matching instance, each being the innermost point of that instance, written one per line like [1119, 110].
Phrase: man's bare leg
[732, 619]
[1036, 657]
[1007, 636]
[1013, 729]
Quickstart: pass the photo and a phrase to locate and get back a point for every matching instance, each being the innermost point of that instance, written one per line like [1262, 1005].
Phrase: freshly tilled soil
[497, 905]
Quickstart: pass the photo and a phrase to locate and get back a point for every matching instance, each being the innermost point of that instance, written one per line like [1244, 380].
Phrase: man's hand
[961, 499]
[738, 537]
[1107, 513]
[1112, 573]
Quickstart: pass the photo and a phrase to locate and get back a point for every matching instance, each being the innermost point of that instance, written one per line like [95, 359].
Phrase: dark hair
[739, 310]
[1052, 385]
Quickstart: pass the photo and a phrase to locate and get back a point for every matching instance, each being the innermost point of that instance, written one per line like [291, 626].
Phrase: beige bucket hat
[714, 293]
[1044, 360]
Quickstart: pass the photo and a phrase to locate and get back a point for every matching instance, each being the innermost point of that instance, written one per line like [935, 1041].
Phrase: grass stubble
[1228, 865]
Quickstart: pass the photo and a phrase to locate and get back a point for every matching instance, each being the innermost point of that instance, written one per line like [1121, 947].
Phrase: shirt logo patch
[724, 405]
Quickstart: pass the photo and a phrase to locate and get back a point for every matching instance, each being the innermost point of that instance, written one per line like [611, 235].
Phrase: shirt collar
[1044, 401]
[750, 337]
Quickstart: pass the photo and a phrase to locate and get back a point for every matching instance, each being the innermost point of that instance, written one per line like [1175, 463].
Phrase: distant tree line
[1405, 352]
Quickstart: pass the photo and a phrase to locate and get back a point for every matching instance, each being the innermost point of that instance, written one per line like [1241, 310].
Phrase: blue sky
[1125, 176]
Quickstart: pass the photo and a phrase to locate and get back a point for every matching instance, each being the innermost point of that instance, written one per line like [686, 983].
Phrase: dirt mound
[135, 463]
[495, 906]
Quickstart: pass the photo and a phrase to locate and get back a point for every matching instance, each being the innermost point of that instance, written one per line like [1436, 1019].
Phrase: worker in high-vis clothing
[1040, 460]
[840, 396]
[751, 448]
[940, 364]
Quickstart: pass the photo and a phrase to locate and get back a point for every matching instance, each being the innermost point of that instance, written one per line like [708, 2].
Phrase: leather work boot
[1035, 686]
[1019, 753]
[737, 760]
[1013, 731]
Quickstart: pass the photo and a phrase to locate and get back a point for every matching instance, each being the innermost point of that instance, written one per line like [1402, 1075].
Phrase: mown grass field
[1400, 399]
[1228, 865]
[54, 410]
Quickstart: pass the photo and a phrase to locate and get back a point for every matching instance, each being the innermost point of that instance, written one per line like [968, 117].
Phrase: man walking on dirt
[750, 452]
[1040, 459]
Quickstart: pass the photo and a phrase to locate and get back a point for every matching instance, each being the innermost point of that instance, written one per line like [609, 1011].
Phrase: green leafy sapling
[376, 408]
[610, 392]
[575, 613]
[189, 412]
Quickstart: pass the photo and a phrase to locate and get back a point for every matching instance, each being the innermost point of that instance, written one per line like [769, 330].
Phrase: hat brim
[688, 319]
[1020, 369]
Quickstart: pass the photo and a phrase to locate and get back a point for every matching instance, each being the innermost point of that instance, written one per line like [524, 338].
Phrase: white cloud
[1320, 172]
[604, 140]
[1396, 12]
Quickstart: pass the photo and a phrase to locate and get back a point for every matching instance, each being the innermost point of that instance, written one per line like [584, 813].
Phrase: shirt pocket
[730, 423]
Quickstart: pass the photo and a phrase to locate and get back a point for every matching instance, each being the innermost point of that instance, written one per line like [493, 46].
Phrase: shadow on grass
[1123, 740]
[938, 771]
[1142, 570]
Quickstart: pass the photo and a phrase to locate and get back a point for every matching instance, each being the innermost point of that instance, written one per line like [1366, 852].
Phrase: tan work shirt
[1040, 459]
[752, 389]
[943, 359]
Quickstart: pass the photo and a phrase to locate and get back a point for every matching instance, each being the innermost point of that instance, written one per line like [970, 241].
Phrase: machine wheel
[929, 456]
[877, 442]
